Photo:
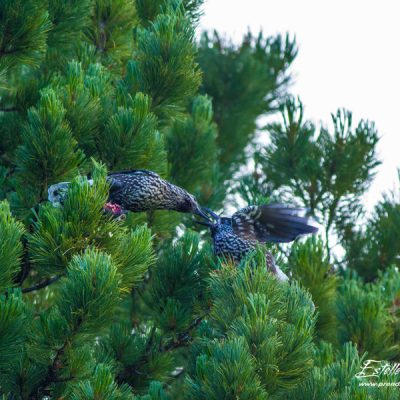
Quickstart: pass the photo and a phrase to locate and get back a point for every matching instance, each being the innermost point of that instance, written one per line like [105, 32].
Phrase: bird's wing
[118, 180]
[135, 172]
[271, 223]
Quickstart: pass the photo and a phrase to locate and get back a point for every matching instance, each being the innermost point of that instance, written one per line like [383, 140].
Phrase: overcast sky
[348, 57]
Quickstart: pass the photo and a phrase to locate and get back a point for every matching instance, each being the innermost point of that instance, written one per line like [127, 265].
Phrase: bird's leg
[269, 258]
[272, 267]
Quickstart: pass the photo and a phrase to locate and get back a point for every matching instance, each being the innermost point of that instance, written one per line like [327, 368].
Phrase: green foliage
[375, 247]
[111, 31]
[133, 255]
[176, 285]
[148, 10]
[244, 82]
[83, 308]
[48, 153]
[81, 91]
[138, 355]
[131, 139]
[85, 302]
[11, 232]
[338, 169]
[13, 333]
[193, 8]
[63, 232]
[335, 379]
[93, 307]
[364, 319]
[89, 295]
[164, 66]
[227, 370]
[156, 392]
[24, 26]
[192, 149]
[290, 139]
[309, 265]
[68, 19]
[389, 284]
[142, 350]
[100, 386]
[262, 333]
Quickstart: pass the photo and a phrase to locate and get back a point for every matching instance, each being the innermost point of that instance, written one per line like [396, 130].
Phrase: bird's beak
[202, 214]
[208, 224]
[206, 220]
[212, 213]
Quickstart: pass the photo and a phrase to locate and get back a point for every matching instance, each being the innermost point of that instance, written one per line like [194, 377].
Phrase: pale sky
[348, 57]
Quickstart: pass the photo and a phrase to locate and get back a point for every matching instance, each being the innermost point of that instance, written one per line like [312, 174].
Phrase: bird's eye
[55, 193]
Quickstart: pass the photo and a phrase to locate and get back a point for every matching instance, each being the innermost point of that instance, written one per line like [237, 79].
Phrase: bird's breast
[230, 245]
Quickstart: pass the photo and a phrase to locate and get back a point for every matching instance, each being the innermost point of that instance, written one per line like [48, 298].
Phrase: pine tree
[97, 308]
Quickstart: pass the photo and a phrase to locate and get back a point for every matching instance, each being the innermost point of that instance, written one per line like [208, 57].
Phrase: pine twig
[42, 284]
[184, 337]
[25, 263]
[51, 375]
[151, 338]
[56, 365]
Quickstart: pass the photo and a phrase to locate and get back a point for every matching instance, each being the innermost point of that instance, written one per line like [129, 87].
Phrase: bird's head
[57, 193]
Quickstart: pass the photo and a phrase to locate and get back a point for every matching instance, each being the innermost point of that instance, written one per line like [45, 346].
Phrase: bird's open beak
[212, 213]
[205, 215]
[208, 224]
[202, 214]
[208, 216]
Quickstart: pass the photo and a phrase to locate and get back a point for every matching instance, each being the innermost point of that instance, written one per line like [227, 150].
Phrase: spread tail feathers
[283, 224]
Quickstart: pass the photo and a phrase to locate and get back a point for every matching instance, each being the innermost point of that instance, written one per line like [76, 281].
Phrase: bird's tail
[284, 224]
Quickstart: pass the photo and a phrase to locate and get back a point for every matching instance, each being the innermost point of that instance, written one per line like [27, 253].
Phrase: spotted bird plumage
[233, 237]
[138, 190]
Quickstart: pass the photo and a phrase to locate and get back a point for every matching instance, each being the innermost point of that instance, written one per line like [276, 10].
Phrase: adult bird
[239, 234]
[137, 190]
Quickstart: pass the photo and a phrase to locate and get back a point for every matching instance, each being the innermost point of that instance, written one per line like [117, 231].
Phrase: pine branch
[26, 267]
[184, 337]
[51, 375]
[42, 284]
[25, 264]
[56, 365]
[183, 340]
[151, 339]
[4, 52]
[11, 109]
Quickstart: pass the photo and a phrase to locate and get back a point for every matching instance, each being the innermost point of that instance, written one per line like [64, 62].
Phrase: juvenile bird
[234, 237]
[138, 190]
